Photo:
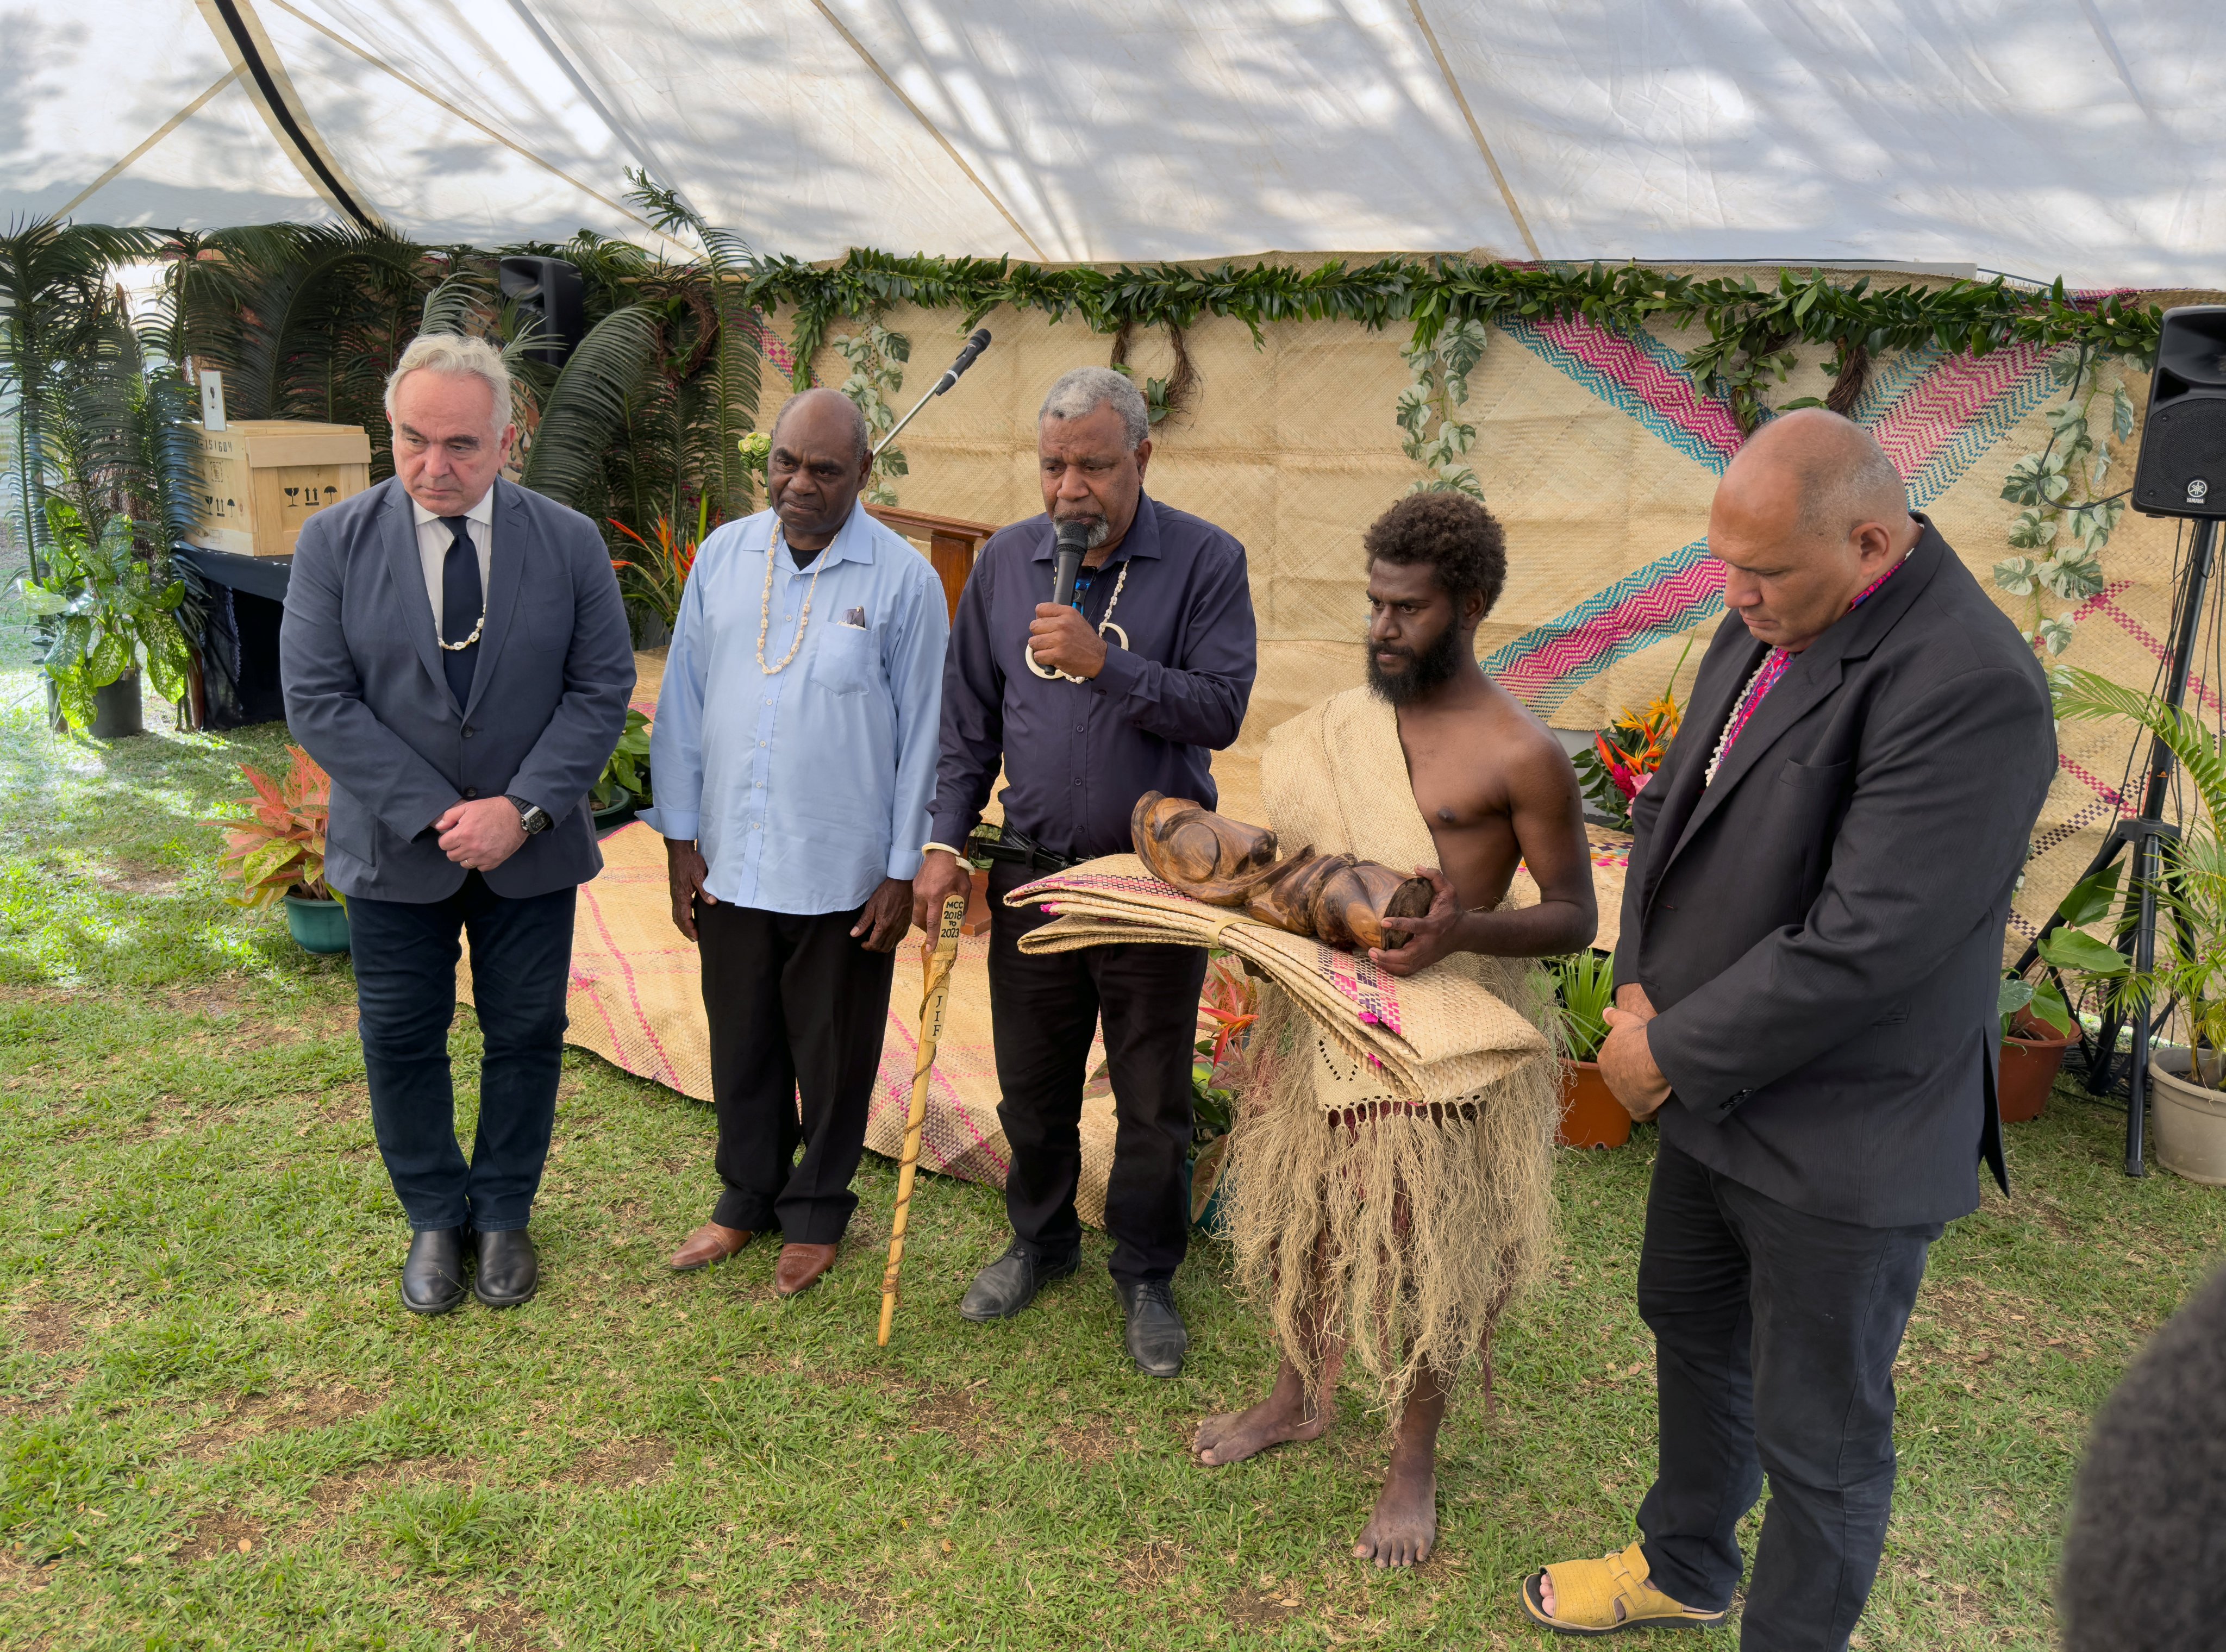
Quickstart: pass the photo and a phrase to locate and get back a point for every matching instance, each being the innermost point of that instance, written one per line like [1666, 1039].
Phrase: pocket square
[855, 618]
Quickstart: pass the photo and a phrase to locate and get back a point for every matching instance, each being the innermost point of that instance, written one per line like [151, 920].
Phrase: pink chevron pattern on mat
[1939, 422]
[1671, 394]
[1937, 409]
[1697, 586]
[1360, 980]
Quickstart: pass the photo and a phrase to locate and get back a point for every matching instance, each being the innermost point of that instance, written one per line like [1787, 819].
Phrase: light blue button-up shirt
[803, 787]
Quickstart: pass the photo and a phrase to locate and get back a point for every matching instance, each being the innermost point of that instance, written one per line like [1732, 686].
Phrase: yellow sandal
[1607, 1596]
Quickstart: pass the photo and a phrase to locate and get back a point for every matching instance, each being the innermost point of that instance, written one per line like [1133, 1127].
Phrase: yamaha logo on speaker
[2197, 491]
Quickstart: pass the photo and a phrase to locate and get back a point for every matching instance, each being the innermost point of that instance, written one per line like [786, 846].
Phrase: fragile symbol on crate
[268, 477]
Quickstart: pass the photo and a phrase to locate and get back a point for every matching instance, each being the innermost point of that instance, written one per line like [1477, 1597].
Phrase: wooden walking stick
[935, 988]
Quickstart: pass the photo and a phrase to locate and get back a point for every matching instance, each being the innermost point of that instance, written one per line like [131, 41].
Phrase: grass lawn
[217, 1428]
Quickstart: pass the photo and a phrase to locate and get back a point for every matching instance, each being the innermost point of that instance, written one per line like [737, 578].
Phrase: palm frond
[461, 303]
[589, 403]
[2081, 695]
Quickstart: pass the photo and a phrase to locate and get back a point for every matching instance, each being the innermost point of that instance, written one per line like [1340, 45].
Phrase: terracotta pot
[2191, 1120]
[2026, 1073]
[1591, 1116]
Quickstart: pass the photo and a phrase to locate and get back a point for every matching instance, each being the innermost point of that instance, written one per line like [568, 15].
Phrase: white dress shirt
[434, 540]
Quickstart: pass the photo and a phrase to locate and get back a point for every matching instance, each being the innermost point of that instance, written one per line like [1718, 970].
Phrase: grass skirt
[1404, 1228]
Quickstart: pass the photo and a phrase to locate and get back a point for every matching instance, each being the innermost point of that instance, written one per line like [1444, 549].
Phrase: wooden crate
[262, 479]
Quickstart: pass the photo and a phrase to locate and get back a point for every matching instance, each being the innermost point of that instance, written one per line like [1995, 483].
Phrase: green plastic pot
[317, 925]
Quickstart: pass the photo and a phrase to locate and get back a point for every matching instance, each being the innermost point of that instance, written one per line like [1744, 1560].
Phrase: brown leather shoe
[800, 1267]
[709, 1244]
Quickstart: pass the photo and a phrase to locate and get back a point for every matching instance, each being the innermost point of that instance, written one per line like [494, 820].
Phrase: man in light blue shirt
[793, 756]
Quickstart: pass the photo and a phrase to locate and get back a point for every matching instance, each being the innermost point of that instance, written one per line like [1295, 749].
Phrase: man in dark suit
[456, 654]
[1805, 990]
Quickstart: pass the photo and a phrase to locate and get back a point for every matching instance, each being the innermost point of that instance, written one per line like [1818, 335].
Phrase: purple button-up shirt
[1077, 756]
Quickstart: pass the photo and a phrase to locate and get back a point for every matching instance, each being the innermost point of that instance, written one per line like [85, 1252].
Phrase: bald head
[827, 411]
[1808, 512]
[1834, 470]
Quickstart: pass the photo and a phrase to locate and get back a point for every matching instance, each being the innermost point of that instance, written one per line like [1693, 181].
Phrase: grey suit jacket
[366, 695]
[1821, 929]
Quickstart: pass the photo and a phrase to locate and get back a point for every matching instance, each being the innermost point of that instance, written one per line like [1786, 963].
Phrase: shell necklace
[1106, 628]
[765, 603]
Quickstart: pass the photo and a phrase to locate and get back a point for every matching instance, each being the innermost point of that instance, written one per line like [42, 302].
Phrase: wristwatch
[532, 816]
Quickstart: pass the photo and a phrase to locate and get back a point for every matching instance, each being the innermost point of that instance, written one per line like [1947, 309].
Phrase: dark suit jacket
[367, 696]
[1821, 929]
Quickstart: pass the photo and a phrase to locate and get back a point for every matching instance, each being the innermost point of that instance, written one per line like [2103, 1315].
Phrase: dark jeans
[1044, 1011]
[796, 1007]
[1775, 1335]
[406, 987]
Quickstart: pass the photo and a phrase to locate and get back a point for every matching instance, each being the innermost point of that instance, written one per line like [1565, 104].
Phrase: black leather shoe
[433, 1274]
[1009, 1284]
[1157, 1337]
[509, 1271]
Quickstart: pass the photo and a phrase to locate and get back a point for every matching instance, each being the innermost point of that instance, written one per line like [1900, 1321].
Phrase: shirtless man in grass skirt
[1342, 1199]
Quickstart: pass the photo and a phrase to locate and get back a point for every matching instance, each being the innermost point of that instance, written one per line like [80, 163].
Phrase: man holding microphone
[1127, 689]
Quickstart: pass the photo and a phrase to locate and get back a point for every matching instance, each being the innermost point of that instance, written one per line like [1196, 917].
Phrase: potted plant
[278, 853]
[624, 785]
[2188, 1084]
[2036, 1029]
[104, 614]
[1591, 1116]
[2036, 1024]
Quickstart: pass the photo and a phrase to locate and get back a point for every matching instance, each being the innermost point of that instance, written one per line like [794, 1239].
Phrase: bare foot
[1405, 1524]
[1235, 1435]
[1285, 1416]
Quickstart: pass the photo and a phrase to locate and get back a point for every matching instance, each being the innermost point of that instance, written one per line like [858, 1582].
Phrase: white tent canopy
[2038, 138]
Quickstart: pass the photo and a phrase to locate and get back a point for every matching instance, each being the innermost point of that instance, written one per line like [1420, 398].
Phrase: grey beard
[1100, 532]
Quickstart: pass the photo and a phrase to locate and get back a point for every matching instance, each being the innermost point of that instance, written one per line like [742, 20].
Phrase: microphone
[974, 347]
[1073, 540]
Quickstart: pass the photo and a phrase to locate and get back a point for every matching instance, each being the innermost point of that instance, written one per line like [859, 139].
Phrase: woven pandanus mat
[636, 1000]
[1433, 1035]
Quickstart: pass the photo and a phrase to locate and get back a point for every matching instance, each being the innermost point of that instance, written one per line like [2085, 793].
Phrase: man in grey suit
[1805, 991]
[455, 653]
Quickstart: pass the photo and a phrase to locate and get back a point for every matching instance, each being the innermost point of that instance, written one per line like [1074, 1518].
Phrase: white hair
[455, 353]
[1082, 392]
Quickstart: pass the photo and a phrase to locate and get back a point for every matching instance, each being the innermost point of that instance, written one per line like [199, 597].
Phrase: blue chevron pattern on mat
[1620, 396]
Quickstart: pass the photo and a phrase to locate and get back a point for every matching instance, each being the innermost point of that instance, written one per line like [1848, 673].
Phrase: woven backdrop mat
[1598, 453]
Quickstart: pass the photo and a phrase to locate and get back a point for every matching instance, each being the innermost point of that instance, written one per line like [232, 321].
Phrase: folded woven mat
[1433, 1036]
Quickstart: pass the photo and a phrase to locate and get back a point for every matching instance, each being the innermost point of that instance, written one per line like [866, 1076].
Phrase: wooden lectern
[952, 542]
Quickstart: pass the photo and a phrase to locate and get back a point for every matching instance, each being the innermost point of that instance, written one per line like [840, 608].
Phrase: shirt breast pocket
[844, 660]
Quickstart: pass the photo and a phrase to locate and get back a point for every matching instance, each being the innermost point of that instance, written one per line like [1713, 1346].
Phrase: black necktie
[462, 599]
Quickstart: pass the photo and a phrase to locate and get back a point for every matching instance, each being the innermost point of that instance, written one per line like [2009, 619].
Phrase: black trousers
[405, 956]
[1043, 1012]
[796, 1007]
[1775, 1335]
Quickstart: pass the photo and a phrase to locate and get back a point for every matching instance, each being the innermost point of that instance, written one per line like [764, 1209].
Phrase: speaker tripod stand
[2151, 841]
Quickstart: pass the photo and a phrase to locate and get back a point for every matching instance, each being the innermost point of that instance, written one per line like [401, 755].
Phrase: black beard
[1431, 669]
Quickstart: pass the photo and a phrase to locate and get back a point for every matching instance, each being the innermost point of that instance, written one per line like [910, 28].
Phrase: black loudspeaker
[2182, 469]
[550, 292]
